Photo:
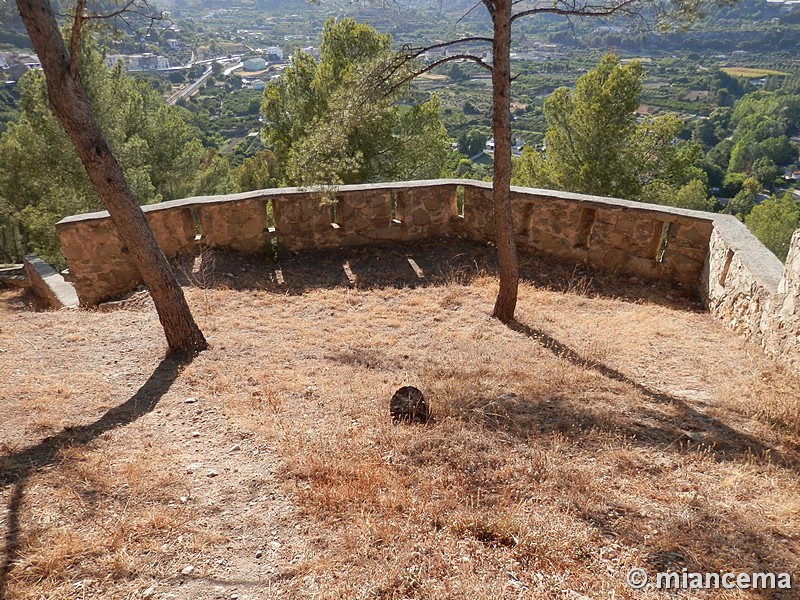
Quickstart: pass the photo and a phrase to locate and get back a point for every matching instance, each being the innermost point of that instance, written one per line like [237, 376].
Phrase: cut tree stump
[408, 405]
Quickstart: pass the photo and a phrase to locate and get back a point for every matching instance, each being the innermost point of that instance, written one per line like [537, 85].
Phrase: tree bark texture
[70, 104]
[506, 301]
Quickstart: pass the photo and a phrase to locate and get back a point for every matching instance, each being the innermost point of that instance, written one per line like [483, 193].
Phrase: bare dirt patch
[616, 425]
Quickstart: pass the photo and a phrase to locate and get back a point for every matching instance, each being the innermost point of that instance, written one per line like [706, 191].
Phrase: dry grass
[616, 427]
[752, 72]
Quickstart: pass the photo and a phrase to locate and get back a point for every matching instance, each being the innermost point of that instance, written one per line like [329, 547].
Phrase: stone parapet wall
[748, 288]
[643, 240]
[238, 225]
[100, 266]
[49, 286]
[782, 325]
[357, 215]
[712, 255]
[650, 241]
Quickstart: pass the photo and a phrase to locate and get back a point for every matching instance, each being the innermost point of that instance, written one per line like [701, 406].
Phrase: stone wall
[650, 241]
[712, 255]
[100, 266]
[358, 215]
[49, 286]
[747, 287]
[782, 326]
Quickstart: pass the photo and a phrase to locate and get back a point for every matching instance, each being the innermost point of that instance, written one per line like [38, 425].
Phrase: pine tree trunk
[506, 301]
[71, 106]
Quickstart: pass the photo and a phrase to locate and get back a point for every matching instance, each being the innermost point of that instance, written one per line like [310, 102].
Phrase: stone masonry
[712, 255]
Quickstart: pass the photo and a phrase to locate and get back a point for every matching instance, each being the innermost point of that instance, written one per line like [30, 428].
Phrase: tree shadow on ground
[694, 532]
[409, 265]
[665, 422]
[19, 466]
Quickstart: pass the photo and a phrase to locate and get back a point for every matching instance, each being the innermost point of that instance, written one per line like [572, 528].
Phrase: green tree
[336, 122]
[472, 142]
[744, 201]
[257, 172]
[71, 105]
[732, 184]
[588, 134]
[656, 155]
[774, 221]
[705, 133]
[594, 144]
[457, 74]
[215, 176]
[762, 123]
[693, 195]
[469, 108]
[765, 171]
[43, 179]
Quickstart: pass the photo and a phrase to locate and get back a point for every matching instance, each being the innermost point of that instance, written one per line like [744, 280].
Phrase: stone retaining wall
[713, 255]
[48, 285]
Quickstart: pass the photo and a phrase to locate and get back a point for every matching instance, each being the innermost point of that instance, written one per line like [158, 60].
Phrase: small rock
[235, 448]
[259, 554]
[275, 545]
[148, 593]
[234, 596]
[184, 499]
[190, 400]
[213, 473]
[187, 570]
[195, 434]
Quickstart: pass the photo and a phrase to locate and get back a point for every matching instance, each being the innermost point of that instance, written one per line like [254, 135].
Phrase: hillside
[617, 426]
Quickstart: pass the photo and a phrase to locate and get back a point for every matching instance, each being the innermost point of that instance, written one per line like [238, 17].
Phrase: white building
[255, 64]
[112, 59]
[435, 54]
[138, 62]
[275, 51]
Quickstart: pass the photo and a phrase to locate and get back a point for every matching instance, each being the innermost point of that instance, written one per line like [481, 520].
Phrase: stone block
[49, 286]
[173, 229]
[239, 225]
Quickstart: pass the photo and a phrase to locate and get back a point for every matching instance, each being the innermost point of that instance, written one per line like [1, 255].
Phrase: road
[232, 68]
[190, 89]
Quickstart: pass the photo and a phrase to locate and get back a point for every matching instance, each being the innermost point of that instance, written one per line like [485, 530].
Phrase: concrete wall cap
[59, 293]
[271, 193]
[764, 266]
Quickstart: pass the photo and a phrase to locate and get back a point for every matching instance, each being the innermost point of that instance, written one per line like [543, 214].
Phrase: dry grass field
[615, 426]
[751, 72]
